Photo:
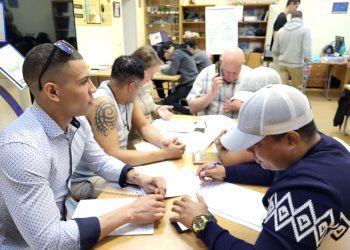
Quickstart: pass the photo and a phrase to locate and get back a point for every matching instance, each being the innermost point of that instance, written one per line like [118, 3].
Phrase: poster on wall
[88, 12]
[221, 28]
[116, 9]
[2, 24]
[340, 7]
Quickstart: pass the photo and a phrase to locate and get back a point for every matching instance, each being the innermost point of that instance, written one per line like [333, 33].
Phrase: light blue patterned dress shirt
[35, 171]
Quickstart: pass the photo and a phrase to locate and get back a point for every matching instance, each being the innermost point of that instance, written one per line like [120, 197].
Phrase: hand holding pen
[208, 172]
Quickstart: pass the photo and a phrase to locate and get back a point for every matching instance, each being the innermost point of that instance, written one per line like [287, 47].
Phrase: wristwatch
[200, 222]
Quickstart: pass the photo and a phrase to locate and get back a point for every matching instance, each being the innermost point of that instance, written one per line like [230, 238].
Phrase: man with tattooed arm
[113, 114]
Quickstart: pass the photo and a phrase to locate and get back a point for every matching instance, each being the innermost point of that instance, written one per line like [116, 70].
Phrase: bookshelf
[162, 16]
[252, 30]
[192, 21]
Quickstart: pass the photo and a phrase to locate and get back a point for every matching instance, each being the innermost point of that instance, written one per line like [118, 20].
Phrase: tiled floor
[324, 112]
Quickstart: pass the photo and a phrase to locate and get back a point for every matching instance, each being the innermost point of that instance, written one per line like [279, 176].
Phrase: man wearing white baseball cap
[257, 79]
[307, 201]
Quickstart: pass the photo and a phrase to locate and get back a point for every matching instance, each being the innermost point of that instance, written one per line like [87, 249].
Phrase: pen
[214, 165]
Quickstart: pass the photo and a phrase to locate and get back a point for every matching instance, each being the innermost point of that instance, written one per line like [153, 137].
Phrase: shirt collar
[51, 128]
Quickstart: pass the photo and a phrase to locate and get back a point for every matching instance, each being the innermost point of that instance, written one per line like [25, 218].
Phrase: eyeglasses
[63, 46]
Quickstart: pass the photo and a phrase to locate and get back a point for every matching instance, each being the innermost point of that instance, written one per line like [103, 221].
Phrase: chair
[342, 244]
[347, 87]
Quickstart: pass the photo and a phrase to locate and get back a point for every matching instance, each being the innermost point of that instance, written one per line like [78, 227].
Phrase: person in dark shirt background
[182, 63]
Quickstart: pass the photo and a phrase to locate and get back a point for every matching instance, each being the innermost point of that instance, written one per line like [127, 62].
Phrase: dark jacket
[343, 108]
[182, 63]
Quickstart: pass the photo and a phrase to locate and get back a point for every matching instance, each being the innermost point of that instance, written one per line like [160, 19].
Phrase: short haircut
[289, 2]
[306, 132]
[127, 69]
[297, 13]
[191, 43]
[36, 58]
[148, 56]
[165, 46]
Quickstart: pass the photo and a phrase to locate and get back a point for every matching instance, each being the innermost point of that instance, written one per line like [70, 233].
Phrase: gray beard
[226, 82]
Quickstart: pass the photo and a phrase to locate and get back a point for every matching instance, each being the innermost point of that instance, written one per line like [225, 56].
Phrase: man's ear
[51, 91]
[293, 138]
[132, 86]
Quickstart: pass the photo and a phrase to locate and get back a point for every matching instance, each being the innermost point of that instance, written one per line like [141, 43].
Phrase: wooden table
[165, 236]
[342, 73]
[105, 74]
[339, 70]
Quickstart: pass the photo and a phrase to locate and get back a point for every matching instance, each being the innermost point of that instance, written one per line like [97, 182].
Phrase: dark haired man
[40, 151]
[307, 202]
[181, 62]
[111, 117]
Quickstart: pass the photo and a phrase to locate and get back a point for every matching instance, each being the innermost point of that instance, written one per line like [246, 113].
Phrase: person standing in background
[292, 5]
[292, 48]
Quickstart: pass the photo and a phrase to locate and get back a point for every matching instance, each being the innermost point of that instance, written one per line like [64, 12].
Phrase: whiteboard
[221, 28]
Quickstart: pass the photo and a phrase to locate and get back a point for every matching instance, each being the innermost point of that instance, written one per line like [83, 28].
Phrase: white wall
[99, 44]
[133, 25]
[129, 26]
[140, 13]
[41, 21]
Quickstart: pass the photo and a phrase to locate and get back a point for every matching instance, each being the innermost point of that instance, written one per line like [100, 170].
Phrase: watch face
[198, 222]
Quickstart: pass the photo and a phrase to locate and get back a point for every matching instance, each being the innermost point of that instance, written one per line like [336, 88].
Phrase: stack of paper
[178, 181]
[178, 126]
[217, 123]
[185, 131]
[244, 205]
[90, 208]
[146, 147]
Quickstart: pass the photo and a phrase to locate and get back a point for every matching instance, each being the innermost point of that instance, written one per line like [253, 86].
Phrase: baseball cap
[272, 110]
[255, 80]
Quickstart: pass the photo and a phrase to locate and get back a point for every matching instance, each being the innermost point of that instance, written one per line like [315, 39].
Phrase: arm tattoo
[105, 117]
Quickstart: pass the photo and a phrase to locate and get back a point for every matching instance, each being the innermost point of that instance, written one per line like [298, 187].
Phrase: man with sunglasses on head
[40, 151]
[113, 113]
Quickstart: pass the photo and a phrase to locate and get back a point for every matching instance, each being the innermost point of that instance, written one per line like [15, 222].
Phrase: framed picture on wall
[340, 7]
[2, 24]
[116, 9]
